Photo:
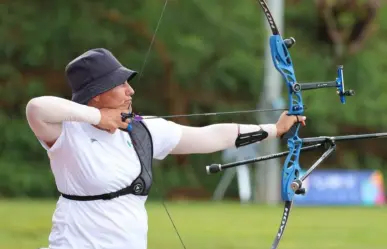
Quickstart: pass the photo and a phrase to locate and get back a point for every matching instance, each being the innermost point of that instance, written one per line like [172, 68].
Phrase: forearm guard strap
[251, 137]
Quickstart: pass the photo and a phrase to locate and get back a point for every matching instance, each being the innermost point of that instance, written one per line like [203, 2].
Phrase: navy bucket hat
[94, 72]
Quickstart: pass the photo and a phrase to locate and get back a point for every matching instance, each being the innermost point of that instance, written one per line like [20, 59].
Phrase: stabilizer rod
[312, 142]
[215, 168]
[297, 184]
[322, 139]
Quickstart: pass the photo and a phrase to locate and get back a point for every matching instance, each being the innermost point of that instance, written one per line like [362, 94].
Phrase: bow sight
[338, 83]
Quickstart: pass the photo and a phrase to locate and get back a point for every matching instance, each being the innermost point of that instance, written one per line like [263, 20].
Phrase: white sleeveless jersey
[89, 161]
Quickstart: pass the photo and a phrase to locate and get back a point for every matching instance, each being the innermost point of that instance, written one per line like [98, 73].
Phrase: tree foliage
[207, 56]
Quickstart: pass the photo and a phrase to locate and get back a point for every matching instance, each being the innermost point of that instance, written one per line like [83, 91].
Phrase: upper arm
[189, 135]
[44, 131]
[207, 139]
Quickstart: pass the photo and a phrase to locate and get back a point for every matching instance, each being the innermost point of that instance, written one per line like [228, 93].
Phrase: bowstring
[139, 78]
[152, 40]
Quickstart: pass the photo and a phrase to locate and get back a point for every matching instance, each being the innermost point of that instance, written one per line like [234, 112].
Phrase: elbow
[33, 107]
[32, 104]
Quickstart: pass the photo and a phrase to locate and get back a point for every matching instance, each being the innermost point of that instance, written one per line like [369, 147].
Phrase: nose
[129, 90]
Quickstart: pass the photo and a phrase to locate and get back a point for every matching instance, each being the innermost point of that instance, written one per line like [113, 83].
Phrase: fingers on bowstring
[126, 117]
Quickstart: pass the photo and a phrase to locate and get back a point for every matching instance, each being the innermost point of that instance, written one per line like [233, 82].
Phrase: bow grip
[293, 130]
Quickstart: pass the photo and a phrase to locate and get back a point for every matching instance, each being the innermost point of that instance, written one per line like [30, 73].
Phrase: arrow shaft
[215, 113]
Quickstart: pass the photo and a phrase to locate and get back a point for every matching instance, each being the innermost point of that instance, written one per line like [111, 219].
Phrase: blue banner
[343, 187]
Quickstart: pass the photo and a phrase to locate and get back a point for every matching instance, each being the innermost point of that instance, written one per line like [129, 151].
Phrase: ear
[96, 99]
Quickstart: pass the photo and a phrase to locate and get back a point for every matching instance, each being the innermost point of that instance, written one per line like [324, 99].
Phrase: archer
[103, 170]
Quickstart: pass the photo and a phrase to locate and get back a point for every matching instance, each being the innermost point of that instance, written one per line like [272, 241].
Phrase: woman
[103, 170]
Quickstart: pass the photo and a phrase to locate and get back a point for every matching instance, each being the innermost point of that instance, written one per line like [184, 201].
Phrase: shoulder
[165, 135]
[159, 124]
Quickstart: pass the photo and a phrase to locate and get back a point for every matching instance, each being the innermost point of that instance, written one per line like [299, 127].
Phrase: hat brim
[103, 84]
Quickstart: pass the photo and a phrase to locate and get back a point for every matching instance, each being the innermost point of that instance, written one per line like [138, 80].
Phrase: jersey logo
[93, 140]
[129, 143]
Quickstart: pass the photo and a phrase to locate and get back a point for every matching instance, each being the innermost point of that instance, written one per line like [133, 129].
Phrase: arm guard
[251, 137]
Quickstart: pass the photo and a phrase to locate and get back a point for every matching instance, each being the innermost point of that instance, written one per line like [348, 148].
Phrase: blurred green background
[208, 56]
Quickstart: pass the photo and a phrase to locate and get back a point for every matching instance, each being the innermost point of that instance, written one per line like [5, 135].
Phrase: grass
[26, 225]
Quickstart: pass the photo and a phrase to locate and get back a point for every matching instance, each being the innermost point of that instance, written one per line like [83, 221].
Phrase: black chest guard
[143, 145]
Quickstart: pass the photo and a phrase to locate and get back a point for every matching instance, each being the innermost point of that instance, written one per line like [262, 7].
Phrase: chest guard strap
[143, 145]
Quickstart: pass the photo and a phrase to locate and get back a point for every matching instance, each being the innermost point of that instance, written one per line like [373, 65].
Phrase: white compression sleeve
[215, 137]
[46, 114]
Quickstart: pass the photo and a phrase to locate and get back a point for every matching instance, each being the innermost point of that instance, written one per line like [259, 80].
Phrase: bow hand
[287, 125]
